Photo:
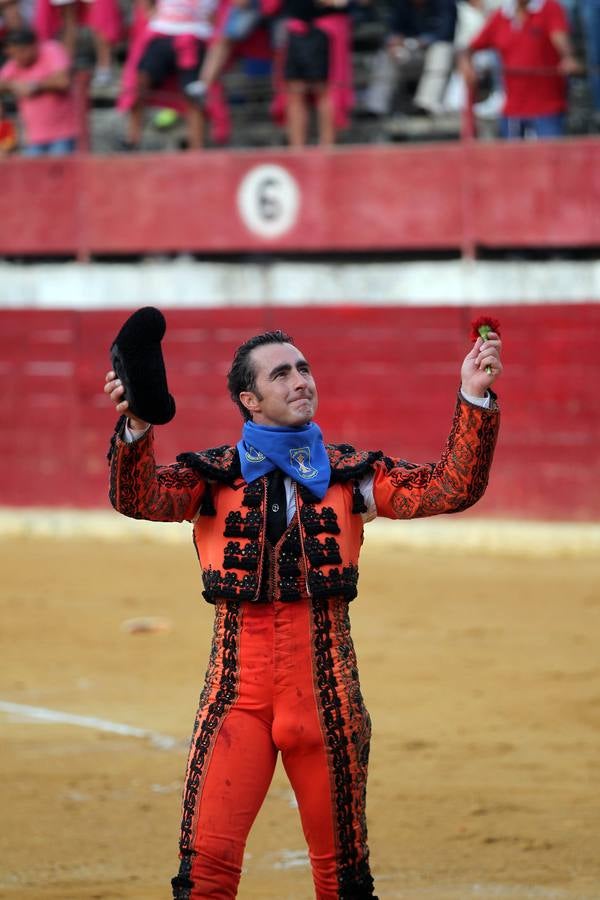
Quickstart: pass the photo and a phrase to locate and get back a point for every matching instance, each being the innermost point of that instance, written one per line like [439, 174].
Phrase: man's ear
[250, 401]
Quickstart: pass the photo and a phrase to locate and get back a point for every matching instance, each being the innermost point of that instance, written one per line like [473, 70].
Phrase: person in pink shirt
[37, 73]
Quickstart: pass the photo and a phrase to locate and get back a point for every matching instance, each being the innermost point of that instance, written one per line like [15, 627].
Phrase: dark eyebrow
[286, 367]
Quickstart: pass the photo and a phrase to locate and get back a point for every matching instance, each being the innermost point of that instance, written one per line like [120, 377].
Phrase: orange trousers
[282, 677]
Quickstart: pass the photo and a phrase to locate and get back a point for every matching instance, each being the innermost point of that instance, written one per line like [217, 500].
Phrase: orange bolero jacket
[318, 554]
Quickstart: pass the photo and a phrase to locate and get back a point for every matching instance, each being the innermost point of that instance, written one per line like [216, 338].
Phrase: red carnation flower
[482, 326]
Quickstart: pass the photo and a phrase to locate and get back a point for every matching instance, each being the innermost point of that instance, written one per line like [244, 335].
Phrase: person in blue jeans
[38, 75]
[533, 42]
[517, 127]
[61, 147]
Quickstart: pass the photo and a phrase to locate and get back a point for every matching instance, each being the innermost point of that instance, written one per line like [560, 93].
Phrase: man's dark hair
[241, 376]
[20, 37]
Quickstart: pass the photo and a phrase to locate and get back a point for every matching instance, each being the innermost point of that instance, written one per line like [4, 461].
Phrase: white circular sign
[268, 200]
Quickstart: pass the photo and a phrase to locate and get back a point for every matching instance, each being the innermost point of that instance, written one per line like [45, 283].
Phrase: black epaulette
[216, 464]
[347, 462]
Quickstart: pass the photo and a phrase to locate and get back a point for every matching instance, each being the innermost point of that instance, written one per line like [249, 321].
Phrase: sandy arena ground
[481, 673]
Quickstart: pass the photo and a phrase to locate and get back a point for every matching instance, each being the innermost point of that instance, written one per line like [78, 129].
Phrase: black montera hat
[138, 361]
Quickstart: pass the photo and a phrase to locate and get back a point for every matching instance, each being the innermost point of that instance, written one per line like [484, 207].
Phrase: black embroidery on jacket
[228, 587]
[488, 434]
[322, 554]
[319, 523]
[289, 589]
[290, 551]
[127, 488]
[237, 557]
[391, 463]
[220, 464]
[254, 494]
[120, 423]
[289, 571]
[347, 462]
[176, 476]
[337, 583]
[248, 526]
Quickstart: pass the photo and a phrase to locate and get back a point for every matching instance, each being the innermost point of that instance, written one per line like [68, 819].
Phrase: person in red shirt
[37, 74]
[532, 39]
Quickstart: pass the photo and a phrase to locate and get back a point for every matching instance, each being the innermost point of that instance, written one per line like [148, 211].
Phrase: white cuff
[133, 434]
[484, 402]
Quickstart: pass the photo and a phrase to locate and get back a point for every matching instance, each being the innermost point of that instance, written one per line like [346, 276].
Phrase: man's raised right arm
[138, 487]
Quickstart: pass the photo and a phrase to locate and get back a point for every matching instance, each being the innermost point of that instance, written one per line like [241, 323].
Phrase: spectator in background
[317, 68]
[15, 14]
[37, 74]
[418, 47]
[471, 17]
[170, 43]
[532, 38]
[102, 17]
[242, 28]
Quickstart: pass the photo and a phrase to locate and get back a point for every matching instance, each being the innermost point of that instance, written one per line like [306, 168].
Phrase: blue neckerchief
[298, 452]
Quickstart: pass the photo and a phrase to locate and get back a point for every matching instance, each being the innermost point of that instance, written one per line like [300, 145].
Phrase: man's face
[285, 393]
[23, 54]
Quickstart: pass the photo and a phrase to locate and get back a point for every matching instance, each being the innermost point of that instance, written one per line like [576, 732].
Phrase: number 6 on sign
[268, 200]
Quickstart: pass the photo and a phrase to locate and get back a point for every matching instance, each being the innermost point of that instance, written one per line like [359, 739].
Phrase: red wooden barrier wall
[369, 198]
[387, 378]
